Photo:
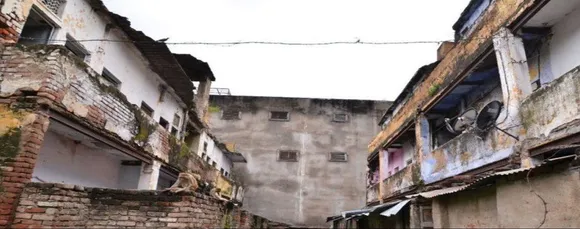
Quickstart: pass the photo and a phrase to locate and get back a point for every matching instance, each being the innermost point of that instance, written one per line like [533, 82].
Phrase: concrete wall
[511, 204]
[565, 45]
[307, 191]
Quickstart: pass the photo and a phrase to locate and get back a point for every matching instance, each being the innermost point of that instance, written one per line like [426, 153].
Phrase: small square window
[110, 79]
[208, 159]
[338, 157]
[222, 172]
[176, 120]
[279, 116]
[203, 156]
[409, 161]
[226, 174]
[288, 155]
[147, 109]
[231, 114]
[205, 147]
[214, 164]
[174, 131]
[164, 123]
[340, 118]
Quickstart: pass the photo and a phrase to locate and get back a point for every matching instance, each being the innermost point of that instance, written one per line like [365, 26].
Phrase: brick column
[19, 148]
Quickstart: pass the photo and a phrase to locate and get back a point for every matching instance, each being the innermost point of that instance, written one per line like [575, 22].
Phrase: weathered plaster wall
[307, 191]
[510, 203]
[400, 181]
[560, 103]
[468, 209]
[13, 14]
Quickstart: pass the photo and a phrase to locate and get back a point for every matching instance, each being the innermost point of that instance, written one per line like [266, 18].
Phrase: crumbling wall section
[13, 14]
[70, 86]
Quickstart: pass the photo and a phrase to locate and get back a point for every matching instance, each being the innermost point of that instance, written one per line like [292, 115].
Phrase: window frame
[345, 120]
[331, 159]
[289, 159]
[226, 117]
[148, 110]
[111, 78]
[277, 119]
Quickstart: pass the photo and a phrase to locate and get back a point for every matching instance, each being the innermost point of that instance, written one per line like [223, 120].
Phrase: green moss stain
[179, 153]
[214, 109]
[144, 128]
[434, 89]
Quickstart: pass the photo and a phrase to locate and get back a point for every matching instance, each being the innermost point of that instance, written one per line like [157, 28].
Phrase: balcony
[373, 193]
[400, 182]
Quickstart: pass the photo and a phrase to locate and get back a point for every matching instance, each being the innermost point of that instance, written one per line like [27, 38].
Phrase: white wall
[62, 161]
[565, 44]
[138, 81]
[408, 151]
[214, 153]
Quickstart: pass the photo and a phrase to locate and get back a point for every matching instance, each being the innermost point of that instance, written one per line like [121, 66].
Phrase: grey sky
[337, 71]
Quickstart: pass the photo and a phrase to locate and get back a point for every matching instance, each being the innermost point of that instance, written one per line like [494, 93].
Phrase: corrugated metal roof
[395, 209]
[439, 192]
[445, 191]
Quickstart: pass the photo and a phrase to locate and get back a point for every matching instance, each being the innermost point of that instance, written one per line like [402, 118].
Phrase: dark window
[75, 47]
[231, 114]
[214, 164]
[338, 157]
[164, 123]
[110, 79]
[205, 147]
[174, 131]
[208, 159]
[279, 115]
[222, 172]
[409, 161]
[226, 174]
[203, 156]
[340, 118]
[147, 109]
[288, 155]
[36, 30]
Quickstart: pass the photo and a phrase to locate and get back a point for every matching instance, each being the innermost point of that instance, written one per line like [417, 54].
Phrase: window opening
[36, 30]
[340, 118]
[147, 109]
[288, 155]
[76, 48]
[279, 115]
[338, 157]
[231, 114]
[110, 79]
[164, 123]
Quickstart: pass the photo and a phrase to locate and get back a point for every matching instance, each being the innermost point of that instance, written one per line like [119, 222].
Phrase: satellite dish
[462, 122]
[488, 116]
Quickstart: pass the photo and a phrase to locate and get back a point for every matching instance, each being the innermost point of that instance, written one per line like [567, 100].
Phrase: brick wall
[12, 19]
[60, 205]
[69, 86]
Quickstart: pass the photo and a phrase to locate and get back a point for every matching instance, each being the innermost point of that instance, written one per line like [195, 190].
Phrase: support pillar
[149, 176]
[422, 145]
[202, 99]
[514, 75]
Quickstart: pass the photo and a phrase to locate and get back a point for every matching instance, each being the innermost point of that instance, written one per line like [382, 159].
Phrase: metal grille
[279, 115]
[340, 118]
[288, 155]
[231, 114]
[338, 156]
[54, 5]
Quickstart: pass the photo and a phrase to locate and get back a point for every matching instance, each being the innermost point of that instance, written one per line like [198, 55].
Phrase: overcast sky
[337, 71]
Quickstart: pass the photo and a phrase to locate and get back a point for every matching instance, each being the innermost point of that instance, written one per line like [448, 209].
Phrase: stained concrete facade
[306, 191]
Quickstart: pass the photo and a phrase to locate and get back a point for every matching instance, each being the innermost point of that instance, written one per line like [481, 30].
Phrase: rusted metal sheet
[454, 66]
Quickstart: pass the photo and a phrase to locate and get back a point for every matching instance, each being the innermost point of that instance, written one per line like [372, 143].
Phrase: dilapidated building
[304, 155]
[88, 101]
[486, 136]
